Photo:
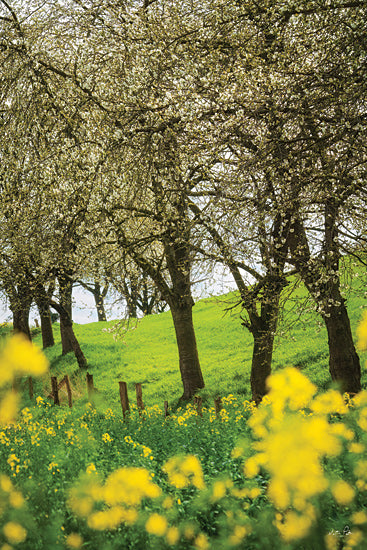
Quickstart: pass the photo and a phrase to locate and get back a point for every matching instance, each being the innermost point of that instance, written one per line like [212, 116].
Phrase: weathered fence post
[198, 403]
[55, 390]
[124, 398]
[139, 397]
[30, 386]
[90, 386]
[218, 406]
[68, 389]
[166, 412]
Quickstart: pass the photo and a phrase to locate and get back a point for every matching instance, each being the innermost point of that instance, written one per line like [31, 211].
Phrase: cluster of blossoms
[294, 437]
[18, 358]
[145, 451]
[121, 496]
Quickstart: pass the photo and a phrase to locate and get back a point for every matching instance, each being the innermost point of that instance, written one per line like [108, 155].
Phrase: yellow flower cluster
[121, 496]
[20, 357]
[145, 451]
[184, 471]
[291, 446]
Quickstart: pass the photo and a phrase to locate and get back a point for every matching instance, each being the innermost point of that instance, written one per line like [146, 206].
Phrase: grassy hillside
[147, 352]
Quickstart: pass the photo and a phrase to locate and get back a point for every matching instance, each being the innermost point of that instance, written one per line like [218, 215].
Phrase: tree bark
[20, 298]
[263, 328]
[191, 375]
[46, 325]
[99, 296]
[66, 289]
[21, 321]
[69, 334]
[344, 364]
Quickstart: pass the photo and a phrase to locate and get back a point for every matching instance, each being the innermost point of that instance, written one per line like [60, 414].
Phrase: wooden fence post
[30, 386]
[218, 406]
[68, 389]
[139, 397]
[124, 398]
[55, 390]
[166, 412]
[90, 386]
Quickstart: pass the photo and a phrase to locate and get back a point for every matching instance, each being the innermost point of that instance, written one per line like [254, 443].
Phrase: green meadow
[145, 351]
[243, 477]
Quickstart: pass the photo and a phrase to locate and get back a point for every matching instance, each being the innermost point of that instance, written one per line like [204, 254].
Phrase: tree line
[144, 140]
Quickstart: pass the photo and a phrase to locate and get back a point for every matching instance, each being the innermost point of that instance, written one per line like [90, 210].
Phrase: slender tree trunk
[191, 375]
[99, 297]
[65, 289]
[46, 325]
[70, 335]
[263, 329]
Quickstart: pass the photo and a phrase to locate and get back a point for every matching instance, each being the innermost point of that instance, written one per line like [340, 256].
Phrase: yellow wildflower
[359, 518]
[129, 486]
[183, 471]
[172, 535]
[91, 468]
[20, 356]
[74, 540]
[342, 492]
[329, 402]
[156, 525]
[239, 533]
[14, 532]
[201, 542]
[332, 541]
[8, 408]
[16, 499]
[295, 526]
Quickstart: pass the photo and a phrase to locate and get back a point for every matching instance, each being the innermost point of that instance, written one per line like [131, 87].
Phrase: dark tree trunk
[263, 329]
[42, 299]
[344, 364]
[46, 326]
[69, 334]
[65, 289]
[21, 320]
[21, 298]
[191, 375]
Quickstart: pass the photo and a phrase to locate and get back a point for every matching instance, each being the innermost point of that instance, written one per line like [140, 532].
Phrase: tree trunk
[66, 289]
[69, 334]
[46, 325]
[263, 328]
[263, 333]
[191, 375]
[99, 300]
[344, 364]
[20, 305]
[21, 320]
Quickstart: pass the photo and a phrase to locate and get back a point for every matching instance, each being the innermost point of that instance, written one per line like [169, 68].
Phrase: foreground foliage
[291, 473]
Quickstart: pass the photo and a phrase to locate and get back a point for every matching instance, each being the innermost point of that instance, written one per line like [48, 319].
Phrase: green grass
[147, 352]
